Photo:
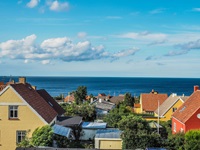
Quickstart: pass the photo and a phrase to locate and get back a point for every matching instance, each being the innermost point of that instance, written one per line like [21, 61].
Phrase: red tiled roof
[137, 106]
[150, 101]
[187, 109]
[50, 100]
[69, 98]
[37, 102]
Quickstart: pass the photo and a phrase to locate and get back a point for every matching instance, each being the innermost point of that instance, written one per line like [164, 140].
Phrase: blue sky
[124, 38]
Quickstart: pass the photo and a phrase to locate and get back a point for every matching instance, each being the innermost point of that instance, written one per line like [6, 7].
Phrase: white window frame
[13, 112]
[20, 135]
[174, 126]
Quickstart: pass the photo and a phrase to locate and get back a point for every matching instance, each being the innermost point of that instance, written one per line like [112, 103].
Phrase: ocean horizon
[56, 85]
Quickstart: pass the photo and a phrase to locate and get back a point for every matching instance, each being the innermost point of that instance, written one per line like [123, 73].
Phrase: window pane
[13, 111]
[20, 136]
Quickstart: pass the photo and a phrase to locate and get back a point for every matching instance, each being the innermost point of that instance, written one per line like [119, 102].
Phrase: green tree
[80, 94]
[84, 110]
[192, 140]
[128, 100]
[137, 133]
[116, 115]
[42, 136]
[26, 142]
[175, 141]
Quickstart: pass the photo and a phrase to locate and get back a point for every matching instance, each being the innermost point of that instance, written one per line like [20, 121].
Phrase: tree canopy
[137, 133]
[84, 110]
[80, 94]
[128, 100]
[42, 136]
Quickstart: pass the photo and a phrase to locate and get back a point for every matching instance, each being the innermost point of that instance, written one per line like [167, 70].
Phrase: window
[174, 127]
[20, 136]
[174, 109]
[13, 112]
[181, 129]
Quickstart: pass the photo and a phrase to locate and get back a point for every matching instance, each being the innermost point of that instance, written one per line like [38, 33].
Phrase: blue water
[112, 85]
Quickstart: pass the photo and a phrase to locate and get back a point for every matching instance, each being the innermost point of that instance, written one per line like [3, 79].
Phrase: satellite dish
[198, 116]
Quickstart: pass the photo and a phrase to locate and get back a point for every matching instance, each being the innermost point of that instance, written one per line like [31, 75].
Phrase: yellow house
[169, 106]
[108, 139]
[149, 101]
[22, 109]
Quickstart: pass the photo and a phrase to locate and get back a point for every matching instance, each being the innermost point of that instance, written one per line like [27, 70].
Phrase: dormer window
[13, 112]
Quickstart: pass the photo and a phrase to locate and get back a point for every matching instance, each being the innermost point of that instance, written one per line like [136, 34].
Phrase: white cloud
[157, 11]
[57, 49]
[190, 45]
[82, 34]
[125, 53]
[32, 3]
[196, 9]
[113, 17]
[45, 62]
[58, 6]
[18, 48]
[145, 36]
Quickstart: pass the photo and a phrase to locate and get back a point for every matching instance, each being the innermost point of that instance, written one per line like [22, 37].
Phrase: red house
[187, 117]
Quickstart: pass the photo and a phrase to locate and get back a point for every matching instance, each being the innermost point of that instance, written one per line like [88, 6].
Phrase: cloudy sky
[123, 38]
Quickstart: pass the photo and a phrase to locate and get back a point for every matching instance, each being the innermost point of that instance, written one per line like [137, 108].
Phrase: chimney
[196, 87]
[34, 87]
[100, 100]
[22, 80]
[91, 100]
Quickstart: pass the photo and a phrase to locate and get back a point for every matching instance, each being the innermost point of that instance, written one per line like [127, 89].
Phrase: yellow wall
[28, 120]
[110, 144]
[168, 114]
[137, 110]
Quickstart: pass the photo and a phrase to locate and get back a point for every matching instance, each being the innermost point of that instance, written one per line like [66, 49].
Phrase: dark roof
[51, 101]
[150, 101]
[69, 121]
[187, 109]
[116, 99]
[37, 102]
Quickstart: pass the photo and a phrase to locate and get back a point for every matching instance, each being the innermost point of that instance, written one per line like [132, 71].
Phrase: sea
[111, 85]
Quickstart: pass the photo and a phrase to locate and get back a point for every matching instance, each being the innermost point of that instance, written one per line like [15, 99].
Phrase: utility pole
[158, 115]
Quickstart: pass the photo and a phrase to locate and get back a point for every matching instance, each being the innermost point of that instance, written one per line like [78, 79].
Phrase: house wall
[27, 119]
[137, 110]
[168, 114]
[179, 126]
[108, 144]
[193, 122]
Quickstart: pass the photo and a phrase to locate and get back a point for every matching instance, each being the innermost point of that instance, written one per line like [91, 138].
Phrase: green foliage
[84, 110]
[60, 97]
[175, 142]
[26, 142]
[192, 140]
[42, 136]
[80, 94]
[137, 133]
[61, 141]
[116, 115]
[128, 100]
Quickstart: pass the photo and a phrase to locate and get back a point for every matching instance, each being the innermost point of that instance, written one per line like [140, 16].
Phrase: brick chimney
[196, 87]
[22, 80]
